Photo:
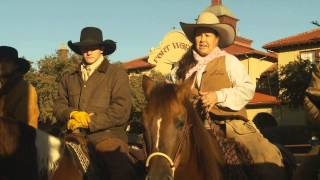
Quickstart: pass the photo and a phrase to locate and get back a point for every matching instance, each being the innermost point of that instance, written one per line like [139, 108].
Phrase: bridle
[176, 158]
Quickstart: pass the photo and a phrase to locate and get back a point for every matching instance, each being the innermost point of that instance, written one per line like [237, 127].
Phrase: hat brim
[109, 46]
[24, 65]
[226, 32]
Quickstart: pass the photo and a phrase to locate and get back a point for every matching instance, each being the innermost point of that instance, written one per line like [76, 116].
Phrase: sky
[38, 27]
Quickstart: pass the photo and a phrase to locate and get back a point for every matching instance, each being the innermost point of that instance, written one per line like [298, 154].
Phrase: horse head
[166, 126]
[177, 143]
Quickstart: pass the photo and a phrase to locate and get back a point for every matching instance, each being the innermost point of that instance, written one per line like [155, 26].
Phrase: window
[313, 55]
[318, 54]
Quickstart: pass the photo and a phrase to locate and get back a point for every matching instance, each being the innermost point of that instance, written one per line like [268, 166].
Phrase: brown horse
[178, 145]
[28, 153]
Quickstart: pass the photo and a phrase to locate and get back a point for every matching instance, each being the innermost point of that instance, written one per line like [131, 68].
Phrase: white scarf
[88, 69]
[203, 61]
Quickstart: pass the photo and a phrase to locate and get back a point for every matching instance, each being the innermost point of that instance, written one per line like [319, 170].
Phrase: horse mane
[205, 148]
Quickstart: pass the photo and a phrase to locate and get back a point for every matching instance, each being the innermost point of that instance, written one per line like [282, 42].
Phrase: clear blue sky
[37, 27]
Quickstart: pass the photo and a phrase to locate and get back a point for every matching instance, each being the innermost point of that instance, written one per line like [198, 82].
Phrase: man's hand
[83, 118]
[73, 125]
[209, 99]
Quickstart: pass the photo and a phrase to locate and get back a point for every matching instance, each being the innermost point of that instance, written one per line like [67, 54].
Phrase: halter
[173, 162]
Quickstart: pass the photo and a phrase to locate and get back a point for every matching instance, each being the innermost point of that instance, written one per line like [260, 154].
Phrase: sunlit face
[7, 67]
[205, 40]
[91, 53]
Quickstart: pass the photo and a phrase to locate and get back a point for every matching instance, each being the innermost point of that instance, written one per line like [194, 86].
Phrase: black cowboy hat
[8, 53]
[91, 36]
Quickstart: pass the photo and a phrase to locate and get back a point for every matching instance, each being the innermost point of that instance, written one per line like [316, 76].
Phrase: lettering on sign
[171, 50]
[167, 48]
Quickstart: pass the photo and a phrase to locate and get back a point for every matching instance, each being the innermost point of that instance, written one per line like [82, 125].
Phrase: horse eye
[179, 124]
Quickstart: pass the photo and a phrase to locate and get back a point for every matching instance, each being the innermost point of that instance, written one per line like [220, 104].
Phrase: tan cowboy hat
[207, 19]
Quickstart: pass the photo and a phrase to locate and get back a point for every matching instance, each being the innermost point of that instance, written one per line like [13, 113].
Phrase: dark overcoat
[106, 94]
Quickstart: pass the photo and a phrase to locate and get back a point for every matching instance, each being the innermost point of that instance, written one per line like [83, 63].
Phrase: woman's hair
[186, 63]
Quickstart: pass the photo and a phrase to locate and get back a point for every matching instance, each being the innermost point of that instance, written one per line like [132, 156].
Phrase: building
[63, 52]
[305, 45]
[138, 65]
[255, 61]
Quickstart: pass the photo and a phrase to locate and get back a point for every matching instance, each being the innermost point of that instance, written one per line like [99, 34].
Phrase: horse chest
[49, 150]
[189, 172]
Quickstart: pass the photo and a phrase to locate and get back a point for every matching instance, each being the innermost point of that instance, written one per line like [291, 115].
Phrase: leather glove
[73, 125]
[81, 117]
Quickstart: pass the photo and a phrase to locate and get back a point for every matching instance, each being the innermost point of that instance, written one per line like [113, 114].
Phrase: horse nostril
[169, 177]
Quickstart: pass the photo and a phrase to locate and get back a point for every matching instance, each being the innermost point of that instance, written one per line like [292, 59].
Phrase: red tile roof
[263, 99]
[308, 37]
[139, 63]
[239, 50]
[236, 49]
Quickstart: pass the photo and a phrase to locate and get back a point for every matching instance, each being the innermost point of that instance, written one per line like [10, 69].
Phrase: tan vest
[214, 78]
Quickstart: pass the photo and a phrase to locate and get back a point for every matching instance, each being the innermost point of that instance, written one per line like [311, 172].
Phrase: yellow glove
[82, 117]
[73, 125]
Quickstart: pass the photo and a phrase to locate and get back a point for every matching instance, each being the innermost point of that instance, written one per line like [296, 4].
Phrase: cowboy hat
[207, 19]
[91, 36]
[8, 53]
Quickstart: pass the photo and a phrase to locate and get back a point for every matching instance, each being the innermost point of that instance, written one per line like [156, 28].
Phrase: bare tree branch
[315, 22]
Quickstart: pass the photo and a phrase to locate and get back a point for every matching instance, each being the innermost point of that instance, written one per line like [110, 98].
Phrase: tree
[268, 83]
[294, 80]
[315, 22]
[138, 99]
[45, 79]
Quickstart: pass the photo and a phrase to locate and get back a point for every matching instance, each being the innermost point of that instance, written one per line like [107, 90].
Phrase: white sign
[172, 48]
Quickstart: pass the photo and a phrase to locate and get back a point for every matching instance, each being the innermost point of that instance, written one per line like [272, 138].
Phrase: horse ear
[186, 86]
[190, 81]
[147, 86]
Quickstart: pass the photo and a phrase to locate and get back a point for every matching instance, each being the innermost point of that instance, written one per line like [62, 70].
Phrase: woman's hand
[209, 99]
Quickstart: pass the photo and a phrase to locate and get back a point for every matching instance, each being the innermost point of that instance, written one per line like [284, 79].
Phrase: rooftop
[308, 37]
[139, 63]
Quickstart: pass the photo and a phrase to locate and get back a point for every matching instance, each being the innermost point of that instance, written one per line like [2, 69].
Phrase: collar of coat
[102, 68]
[10, 83]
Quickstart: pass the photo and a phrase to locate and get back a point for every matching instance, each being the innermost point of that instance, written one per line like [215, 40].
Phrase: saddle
[137, 151]
[136, 143]
[83, 156]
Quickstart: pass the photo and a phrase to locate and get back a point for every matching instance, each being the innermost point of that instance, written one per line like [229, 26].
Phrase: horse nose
[164, 178]
[168, 178]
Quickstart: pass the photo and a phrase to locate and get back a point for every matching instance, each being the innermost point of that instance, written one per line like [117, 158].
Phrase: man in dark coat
[96, 97]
